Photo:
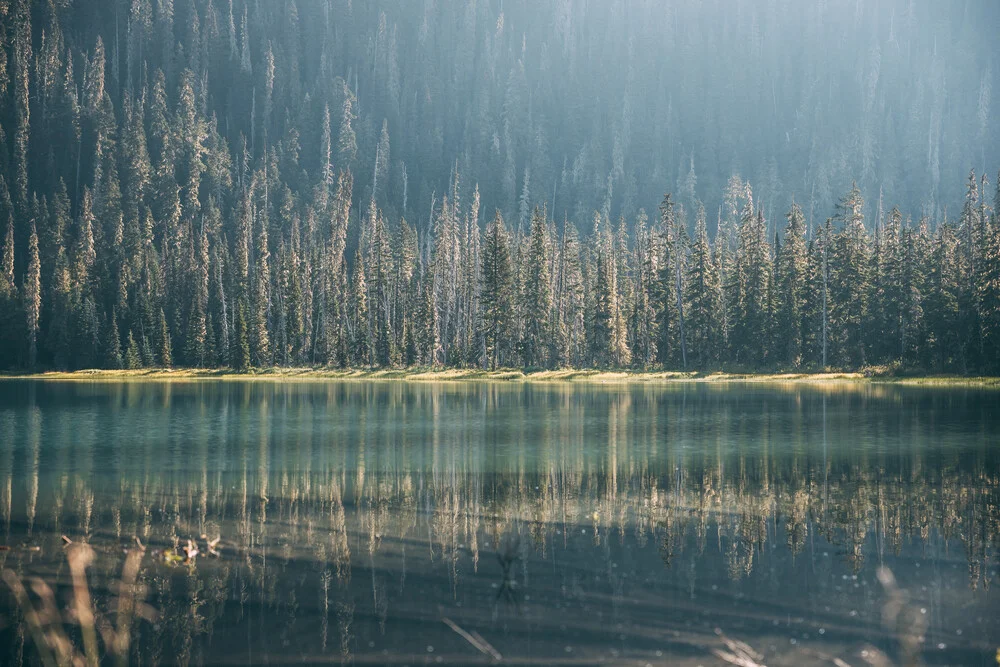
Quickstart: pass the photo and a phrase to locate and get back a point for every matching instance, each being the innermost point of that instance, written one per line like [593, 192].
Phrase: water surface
[409, 523]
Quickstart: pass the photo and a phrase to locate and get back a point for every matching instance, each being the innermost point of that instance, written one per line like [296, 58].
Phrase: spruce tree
[643, 324]
[790, 278]
[665, 292]
[850, 284]
[33, 296]
[166, 356]
[703, 296]
[497, 295]
[112, 344]
[989, 290]
[943, 303]
[537, 342]
[241, 343]
[571, 309]
[362, 344]
[750, 288]
[891, 294]
[426, 336]
[133, 356]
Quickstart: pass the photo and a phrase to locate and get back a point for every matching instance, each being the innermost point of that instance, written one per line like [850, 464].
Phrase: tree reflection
[366, 507]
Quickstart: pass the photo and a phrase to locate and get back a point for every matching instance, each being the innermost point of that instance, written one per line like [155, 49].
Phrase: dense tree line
[177, 195]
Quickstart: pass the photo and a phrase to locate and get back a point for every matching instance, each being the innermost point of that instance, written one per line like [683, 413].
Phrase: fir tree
[166, 356]
[241, 344]
[133, 356]
[537, 341]
[362, 344]
[572, 327]
[112, 344]
[850, 281]
[33, 296]
[790, 287]
[497, 295]
[643, 325]
[347, 145]
[703, 296]
[943, 302]
[665, 293]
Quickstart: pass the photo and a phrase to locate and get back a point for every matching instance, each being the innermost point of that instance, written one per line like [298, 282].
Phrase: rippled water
[412, 523]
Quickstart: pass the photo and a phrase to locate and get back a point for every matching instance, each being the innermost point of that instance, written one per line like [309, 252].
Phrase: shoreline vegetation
[576, 376]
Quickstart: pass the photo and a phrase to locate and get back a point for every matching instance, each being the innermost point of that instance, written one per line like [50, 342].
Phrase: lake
[456, 523]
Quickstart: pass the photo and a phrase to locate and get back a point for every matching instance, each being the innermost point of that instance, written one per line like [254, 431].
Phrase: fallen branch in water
[739, 653]
[476, 640]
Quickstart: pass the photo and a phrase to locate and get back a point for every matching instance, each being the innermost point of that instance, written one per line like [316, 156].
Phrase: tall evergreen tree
[790, 288]
[750, 287]
[643, 325]
[497, 297]
[571, 310]
[33, 296]
[850, 281]
[703, 297]
[667, 338]
[537, 342]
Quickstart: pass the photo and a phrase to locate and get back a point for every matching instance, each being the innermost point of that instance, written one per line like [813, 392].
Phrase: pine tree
[133, 357]
[497, 295]
[850, 282]
[750, 288]
[347, 144]
[33, 296]
[680, 263]
[426, 338]
[241, 347]
[943, 304]
[61, 300]
[571, 310]
[166, 356]
[85, 252]
[537, 341]
[989, 289]
[665, 293]
[381, 269]
[890, 294]
[260, 339]
[912, 288]
[790, 287]
[112, 344]
[197, 331]
[643, 326]
[609, 345]
[703, 297]
[11, 318]
[362, 344]
[20, 27]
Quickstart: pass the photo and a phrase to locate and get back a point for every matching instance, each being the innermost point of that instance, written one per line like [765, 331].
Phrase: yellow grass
[506, 375]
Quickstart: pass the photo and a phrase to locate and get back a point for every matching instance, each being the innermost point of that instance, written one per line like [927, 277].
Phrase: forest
[211, 183]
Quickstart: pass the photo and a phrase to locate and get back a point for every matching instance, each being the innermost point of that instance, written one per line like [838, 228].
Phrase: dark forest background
[243, 182]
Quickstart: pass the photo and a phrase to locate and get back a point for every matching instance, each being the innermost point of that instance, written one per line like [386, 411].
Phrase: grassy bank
[506, 375]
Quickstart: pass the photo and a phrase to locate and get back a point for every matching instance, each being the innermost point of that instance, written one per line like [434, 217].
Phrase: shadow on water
[460, 523]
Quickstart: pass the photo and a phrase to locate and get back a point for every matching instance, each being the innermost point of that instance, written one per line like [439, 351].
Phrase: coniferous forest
[246, 183]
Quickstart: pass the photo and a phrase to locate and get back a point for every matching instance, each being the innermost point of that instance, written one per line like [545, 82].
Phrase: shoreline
[577, 376]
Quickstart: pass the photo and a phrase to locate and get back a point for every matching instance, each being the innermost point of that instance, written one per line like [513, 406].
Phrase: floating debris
[210, 545]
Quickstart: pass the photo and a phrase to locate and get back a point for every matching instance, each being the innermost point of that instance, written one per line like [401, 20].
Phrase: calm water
[410, 523]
